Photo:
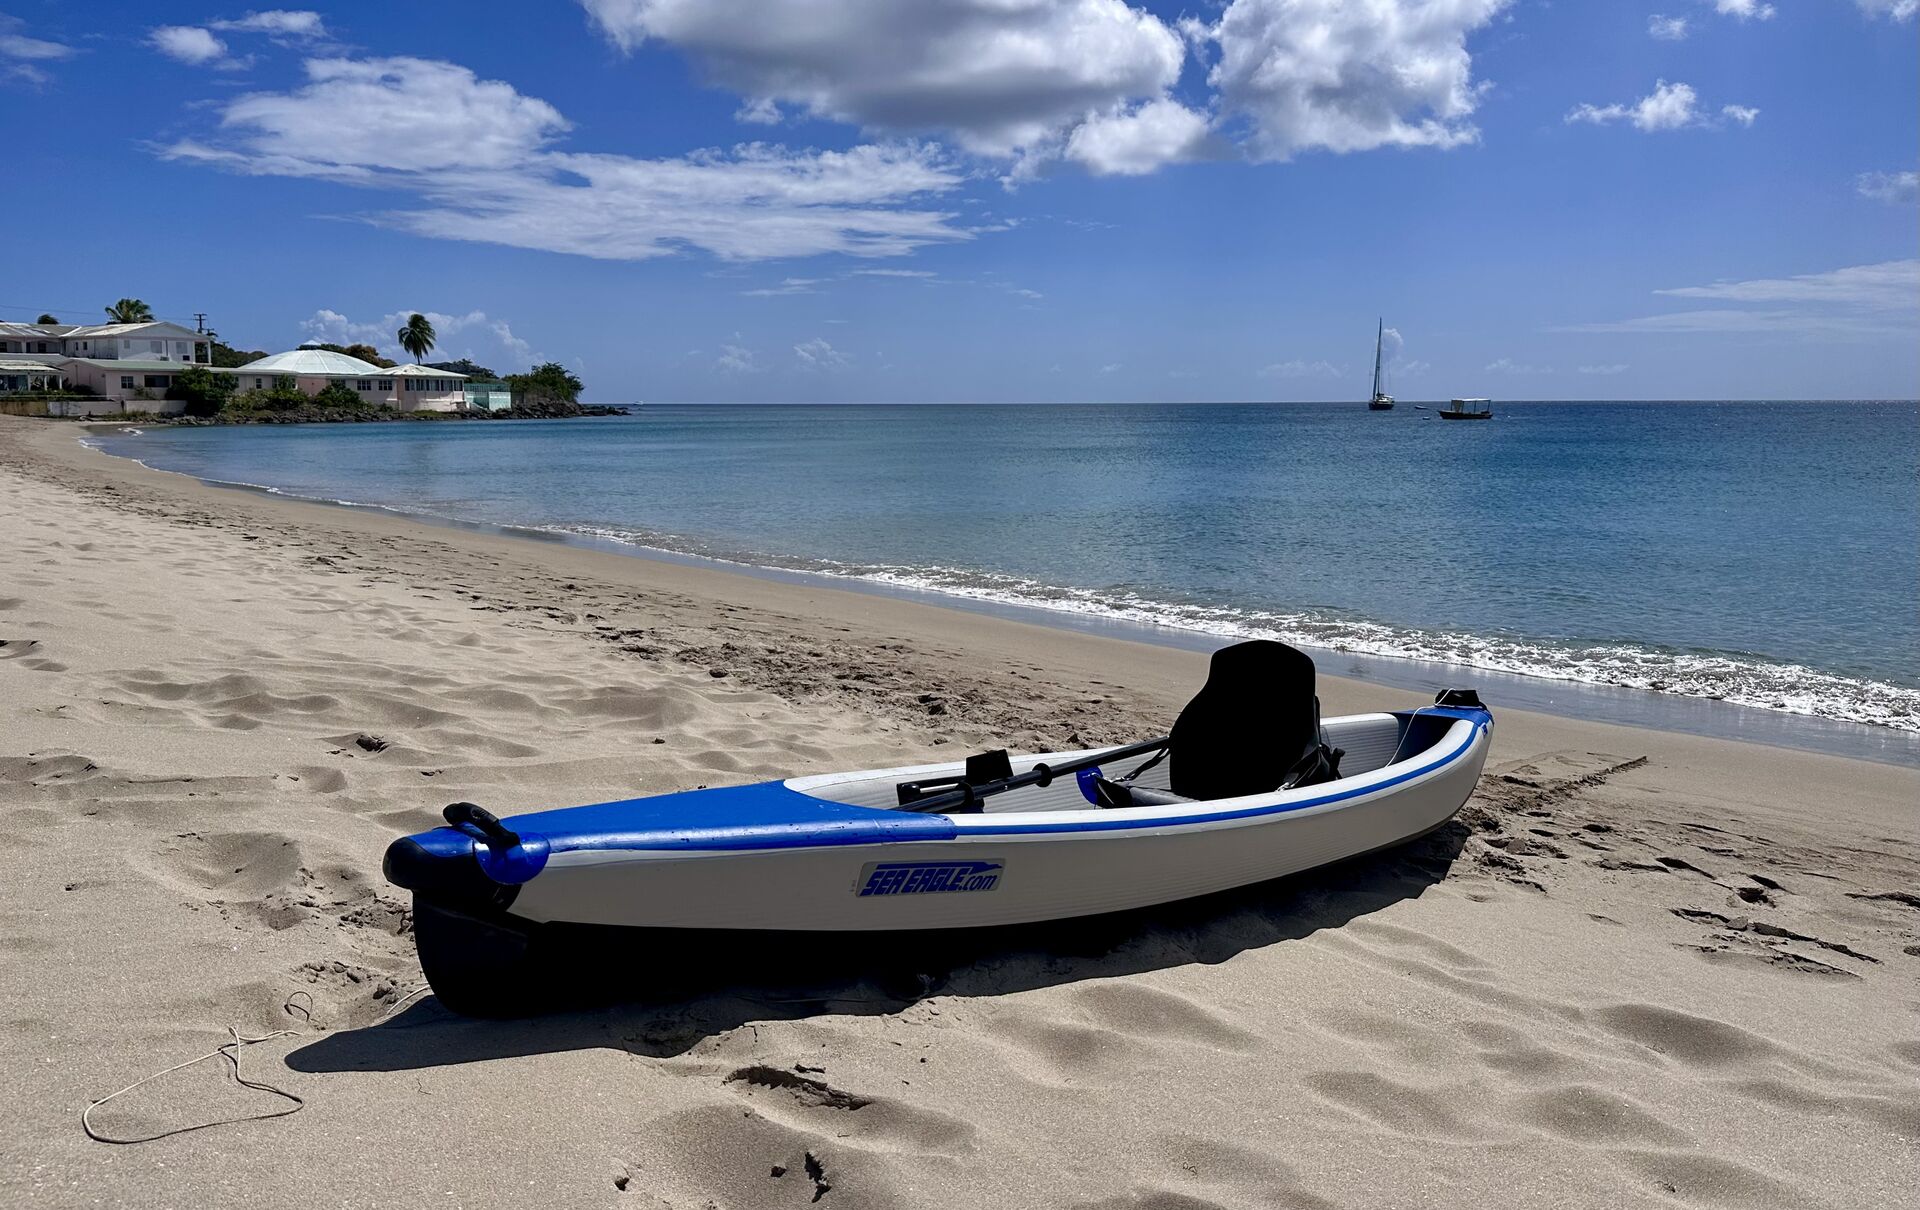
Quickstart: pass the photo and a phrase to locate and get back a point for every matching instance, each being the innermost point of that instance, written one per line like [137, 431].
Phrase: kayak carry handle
[469, 817]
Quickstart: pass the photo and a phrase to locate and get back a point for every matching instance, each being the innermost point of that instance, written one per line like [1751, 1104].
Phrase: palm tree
[47, 319]
[417, 337]
[130, 311]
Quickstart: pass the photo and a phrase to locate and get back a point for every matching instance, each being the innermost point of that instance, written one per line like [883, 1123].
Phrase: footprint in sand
[806, 1103]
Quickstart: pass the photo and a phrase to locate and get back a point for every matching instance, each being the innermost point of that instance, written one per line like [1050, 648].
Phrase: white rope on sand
[230, 1051]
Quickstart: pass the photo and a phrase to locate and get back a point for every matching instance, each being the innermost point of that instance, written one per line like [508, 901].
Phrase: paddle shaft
[1040, 775]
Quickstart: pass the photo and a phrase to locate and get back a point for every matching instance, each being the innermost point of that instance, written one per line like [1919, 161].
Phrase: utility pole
[200, 322]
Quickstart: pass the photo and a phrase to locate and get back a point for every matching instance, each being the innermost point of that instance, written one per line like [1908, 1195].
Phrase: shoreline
[1564, 697]
[1640, 968]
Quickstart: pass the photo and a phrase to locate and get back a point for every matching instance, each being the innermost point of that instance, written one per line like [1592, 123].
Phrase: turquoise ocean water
[1767, 554]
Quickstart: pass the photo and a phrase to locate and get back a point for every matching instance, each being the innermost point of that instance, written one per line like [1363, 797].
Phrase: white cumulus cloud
[1138, 141]
[187, 44]
[1744, 10]
[474, 335]
[997, 75]
[1898, 10]
[1349, 75]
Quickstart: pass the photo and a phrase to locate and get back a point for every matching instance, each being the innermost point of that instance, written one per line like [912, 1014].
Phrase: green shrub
[337, 395]
[203, 391]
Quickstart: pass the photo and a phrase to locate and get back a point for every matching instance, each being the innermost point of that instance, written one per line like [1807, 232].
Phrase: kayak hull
[775, 862]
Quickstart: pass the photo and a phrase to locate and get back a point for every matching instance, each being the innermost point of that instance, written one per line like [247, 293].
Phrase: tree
[417, 337]
[204, 391]
[225, 356]
[548, 381]
[47, 319]
[464, 366]
[130, 311]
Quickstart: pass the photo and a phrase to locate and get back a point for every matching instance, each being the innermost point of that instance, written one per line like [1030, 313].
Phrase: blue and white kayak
[862, 852]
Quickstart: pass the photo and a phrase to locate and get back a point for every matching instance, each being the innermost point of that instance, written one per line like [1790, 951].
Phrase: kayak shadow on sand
[637, 998]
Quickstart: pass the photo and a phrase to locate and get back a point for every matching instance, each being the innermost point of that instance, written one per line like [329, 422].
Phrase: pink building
[410, 388]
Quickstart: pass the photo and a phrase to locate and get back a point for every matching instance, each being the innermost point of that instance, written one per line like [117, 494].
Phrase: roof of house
[10, 366]
[79, 331]
[420, 371]
[131, 364]
[316, 361]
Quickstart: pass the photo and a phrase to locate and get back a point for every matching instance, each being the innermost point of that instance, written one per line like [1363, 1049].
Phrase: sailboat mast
[1378, 335]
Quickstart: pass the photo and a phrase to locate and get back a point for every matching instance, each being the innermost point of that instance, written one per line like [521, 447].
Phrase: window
[363, 385]
[126, 382]
[386, 384]
[258, 383]
[157, 346]
[159, 380]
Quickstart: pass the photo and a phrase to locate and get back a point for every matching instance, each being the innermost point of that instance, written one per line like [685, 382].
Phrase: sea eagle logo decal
[926, 877]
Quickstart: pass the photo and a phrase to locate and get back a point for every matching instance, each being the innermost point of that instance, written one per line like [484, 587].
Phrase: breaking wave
[1742, 679]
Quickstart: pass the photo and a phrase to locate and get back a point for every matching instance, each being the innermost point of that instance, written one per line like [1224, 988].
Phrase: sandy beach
[1640, 969]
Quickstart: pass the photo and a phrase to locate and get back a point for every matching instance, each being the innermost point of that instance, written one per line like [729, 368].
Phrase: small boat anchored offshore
[1381, 401]
[1249, 785]
[1467, 409]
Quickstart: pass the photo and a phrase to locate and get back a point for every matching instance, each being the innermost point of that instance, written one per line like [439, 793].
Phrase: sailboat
[1381, 401]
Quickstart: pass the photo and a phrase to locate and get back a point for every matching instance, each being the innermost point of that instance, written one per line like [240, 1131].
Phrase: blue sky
[959, 200]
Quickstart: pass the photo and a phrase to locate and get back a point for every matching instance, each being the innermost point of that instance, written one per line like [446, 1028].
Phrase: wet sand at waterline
[1640, 969]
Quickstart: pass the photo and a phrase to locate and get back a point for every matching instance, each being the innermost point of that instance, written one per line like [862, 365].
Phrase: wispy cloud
[1607, 370]
[1861, 300]
[277, 22]
[1507, 365]
[817, 354]
[1891, 187]
[736, 358]
[1890, 285]
[1667, 29]
[921, 274]
[1301, 368]
[1744, 10]
[1668, 107]
[791, 285]
[481, 159]
[1897, 10]
[22, 54]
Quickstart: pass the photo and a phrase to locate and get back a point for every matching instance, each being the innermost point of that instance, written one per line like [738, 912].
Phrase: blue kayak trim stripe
[763, 815]
[1479, 719]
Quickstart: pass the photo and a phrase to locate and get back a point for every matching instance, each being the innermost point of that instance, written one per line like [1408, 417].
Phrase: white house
[131, 367]
[152, 341]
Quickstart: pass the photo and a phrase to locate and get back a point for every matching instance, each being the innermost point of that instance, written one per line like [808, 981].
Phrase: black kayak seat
[1253, 727]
